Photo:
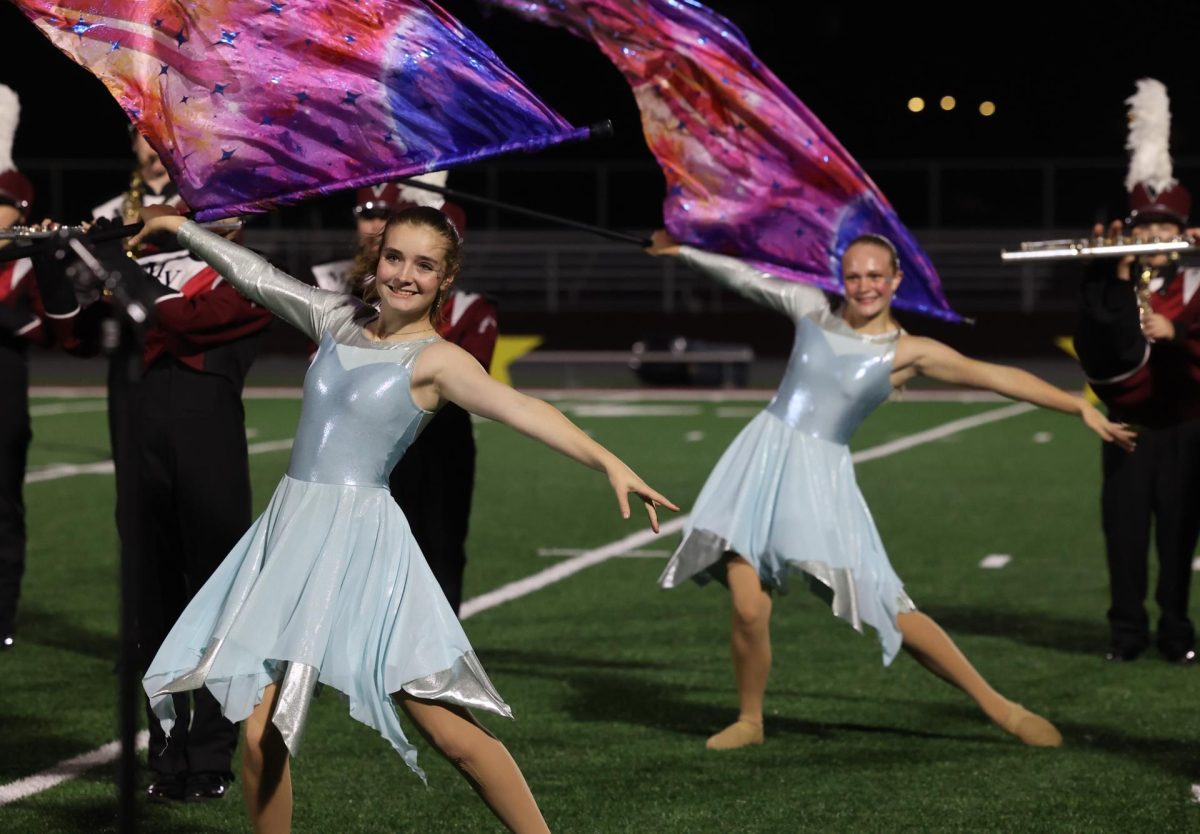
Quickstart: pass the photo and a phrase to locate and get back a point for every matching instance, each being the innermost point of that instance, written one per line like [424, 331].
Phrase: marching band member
[1138, 340]
[26, 316]
[178, 433]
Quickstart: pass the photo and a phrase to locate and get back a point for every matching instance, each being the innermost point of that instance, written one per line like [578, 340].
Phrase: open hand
[1110, 432]
[624, 481]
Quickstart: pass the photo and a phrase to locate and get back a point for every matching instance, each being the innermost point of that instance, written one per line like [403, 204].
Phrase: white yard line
[52, 409]
[64, 770]
[559, 552]
[523, 587]
[942, 431]
[105, 467]
[559, 572]
[628, 410]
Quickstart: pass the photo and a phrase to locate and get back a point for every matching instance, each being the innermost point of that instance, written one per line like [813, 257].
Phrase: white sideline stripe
[105, 467]
[559, 572]
[716, 395]
[64, 770]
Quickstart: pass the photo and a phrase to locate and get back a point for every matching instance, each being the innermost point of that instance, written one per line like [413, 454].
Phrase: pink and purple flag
[253, 103]
[750, 170]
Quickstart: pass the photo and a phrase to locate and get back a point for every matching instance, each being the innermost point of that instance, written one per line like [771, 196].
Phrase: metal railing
[556, 271]
[928, 193]
[562, 271]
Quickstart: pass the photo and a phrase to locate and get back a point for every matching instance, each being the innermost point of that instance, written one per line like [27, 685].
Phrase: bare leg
[933, 649]
[266, 772]
[481, 758]
[750, 646]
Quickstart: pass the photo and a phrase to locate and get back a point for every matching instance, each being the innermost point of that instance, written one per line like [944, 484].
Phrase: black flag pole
[601, 129]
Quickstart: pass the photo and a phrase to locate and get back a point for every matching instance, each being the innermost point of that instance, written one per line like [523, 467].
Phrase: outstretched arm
[297, 303]
[793, 299]
[446, 372]
[933, 359]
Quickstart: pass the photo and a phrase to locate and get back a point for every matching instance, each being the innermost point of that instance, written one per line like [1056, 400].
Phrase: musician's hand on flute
[661, 243]
[155, 219]
[1116, 229]
[1158, 328]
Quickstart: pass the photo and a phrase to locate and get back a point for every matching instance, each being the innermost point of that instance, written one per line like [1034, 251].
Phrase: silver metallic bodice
[358, 416]
[833, 381]
[835, 376]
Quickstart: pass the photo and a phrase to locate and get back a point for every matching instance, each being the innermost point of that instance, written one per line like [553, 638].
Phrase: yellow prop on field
[508, 350]
[1068, 345]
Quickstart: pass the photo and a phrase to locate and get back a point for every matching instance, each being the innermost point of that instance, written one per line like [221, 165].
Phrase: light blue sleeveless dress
[328, 585]
[783, 495]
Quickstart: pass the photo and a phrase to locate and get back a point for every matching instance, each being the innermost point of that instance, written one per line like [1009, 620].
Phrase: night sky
[1057, 72]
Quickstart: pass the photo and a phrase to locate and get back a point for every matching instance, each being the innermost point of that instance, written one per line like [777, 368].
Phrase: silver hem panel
[702, 549]
[295, 697]
[699, 551]
[465, 683]
[195, 678]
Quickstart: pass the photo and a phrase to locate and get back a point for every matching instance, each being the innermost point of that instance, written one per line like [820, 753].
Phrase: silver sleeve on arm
[299, 304]
[792, 298]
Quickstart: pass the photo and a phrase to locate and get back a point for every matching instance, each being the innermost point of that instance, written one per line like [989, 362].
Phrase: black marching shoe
[166, 789]
[1123, 653]
[205, 785]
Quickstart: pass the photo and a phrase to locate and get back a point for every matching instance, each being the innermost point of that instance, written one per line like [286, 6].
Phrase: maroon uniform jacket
[196, 312]
[469, 321]
[19, 294]
[1165, 388]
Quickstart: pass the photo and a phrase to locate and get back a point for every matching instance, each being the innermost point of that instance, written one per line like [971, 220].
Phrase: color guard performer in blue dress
[328, 584]
[783, 499]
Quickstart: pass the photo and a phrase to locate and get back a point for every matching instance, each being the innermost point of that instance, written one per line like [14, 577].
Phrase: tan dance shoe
[1031, 728]
[740, 733]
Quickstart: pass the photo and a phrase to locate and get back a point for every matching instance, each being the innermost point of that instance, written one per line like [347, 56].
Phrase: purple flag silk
[750, 171]
[252, 104]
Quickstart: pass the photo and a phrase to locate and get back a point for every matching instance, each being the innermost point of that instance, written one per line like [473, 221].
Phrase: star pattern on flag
[238, 96]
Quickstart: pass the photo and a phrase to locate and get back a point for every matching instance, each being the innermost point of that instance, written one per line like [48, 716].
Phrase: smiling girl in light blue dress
[783, 498]
[328, 585]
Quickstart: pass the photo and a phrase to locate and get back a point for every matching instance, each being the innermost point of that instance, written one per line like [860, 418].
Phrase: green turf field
[616, 684]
